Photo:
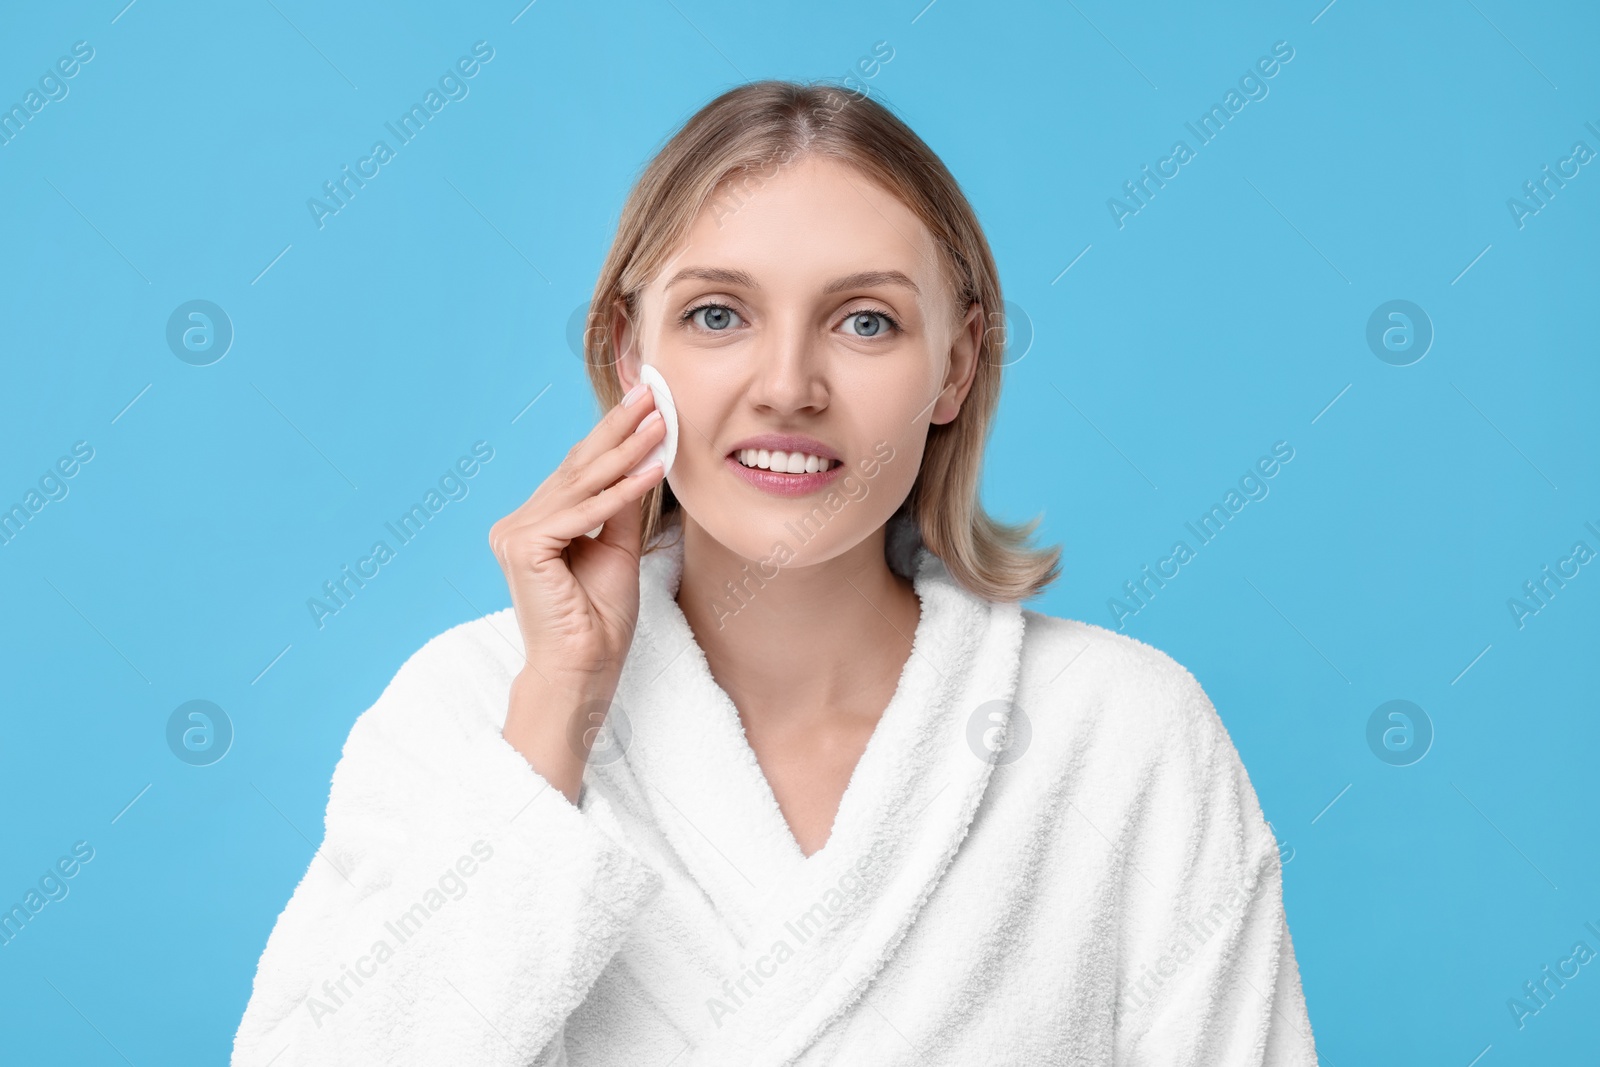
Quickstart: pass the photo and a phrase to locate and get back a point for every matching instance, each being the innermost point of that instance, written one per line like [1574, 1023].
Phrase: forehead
[810, 222]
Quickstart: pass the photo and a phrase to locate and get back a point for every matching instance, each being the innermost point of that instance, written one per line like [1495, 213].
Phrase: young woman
[774, 769]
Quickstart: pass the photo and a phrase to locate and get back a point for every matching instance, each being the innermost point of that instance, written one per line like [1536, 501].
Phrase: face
[813, 319]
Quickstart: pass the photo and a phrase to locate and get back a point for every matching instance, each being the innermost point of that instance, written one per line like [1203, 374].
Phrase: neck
[806, 640]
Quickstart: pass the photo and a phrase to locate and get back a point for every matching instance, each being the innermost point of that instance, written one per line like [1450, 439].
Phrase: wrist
[552, 721]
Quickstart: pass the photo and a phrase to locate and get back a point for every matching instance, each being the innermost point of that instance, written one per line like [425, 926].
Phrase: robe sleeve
[1209, 973]
[460, 908]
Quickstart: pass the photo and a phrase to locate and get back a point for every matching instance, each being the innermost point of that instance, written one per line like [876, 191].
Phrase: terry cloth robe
[1048, 853]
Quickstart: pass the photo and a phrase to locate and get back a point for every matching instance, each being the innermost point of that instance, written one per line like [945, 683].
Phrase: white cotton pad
[667, 450]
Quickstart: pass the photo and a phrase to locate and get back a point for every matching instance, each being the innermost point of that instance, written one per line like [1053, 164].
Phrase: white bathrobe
[1048, 853]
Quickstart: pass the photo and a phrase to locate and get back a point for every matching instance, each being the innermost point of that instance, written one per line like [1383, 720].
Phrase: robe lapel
[806, 935]
[690, 760]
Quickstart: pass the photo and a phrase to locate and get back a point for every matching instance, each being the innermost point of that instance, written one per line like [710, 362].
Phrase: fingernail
[648, 421]
[634, 394]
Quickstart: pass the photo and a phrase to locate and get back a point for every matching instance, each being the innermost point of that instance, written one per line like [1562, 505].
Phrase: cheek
[890, 480]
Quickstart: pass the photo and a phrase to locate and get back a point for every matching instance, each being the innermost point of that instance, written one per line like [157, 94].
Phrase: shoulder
[1111, 709]
[431, 735]
[1079, 667]
[452, 687]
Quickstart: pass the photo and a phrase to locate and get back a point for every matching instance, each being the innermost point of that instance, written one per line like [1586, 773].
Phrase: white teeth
[787, 462]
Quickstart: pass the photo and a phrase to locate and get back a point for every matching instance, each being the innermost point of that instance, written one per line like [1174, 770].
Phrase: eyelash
[894, 323]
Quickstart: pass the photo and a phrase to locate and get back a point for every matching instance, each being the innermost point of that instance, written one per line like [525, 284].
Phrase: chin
[796, 532]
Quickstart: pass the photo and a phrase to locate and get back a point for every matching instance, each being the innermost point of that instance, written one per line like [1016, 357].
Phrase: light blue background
[1223, 317]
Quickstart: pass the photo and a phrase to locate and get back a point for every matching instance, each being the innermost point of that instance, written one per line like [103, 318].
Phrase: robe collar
[908, 805]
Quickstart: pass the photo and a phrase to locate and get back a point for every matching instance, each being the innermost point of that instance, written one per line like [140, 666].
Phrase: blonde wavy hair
[733, 145]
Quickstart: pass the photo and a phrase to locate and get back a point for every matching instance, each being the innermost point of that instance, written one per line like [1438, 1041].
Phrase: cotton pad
[667, 450]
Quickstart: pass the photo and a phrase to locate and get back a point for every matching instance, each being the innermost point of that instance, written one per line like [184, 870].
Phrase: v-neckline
[687, 769]
[746, 830]
[914, 686]
[866, 765]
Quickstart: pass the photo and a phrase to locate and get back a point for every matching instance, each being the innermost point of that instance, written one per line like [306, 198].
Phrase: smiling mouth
[783, 462]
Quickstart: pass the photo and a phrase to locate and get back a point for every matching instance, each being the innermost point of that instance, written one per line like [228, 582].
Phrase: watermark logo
[1010, 334]
[1539, 591]
[52, 486]
[452, 884]
[341, 191]
[997, 734]
[600, 733]
[52, 88]
[199, 733]
[339, 593]
[738, 593]
[585, 330]
[1187, 943]
[739, 187]
[51, 887]
[199, 332]
[1541, 190]
[844, 895]
[1399, 333]
[1399, 733]
[1139, 592]
[1537, 994]
[1139, 192]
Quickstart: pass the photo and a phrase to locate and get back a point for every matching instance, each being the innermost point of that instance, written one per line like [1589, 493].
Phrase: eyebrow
[860, 280]
[741, 278]
[867, 279]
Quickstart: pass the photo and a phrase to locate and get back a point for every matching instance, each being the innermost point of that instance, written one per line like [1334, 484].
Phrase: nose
[789, 374]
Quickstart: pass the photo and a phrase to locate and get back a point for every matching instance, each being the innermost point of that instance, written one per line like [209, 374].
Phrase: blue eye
[869, 323]
[714, 317]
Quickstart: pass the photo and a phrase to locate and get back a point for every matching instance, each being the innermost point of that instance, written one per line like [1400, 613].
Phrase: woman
[851, 803]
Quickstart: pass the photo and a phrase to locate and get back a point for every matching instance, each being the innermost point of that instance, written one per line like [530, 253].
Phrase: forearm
[454, 885]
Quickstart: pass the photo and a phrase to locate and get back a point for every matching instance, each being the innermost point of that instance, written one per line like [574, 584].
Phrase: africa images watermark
[1252, 486]
[1253, 86]
[1540, 191]
[402, 928]
[452, 86]
[52, 487]
[52, 88]
[748, 179]
[742, 590]
[1538, 592]
[337, 593]
[1187, 941]
[823, 912]
[53, 886]
[1537, 995]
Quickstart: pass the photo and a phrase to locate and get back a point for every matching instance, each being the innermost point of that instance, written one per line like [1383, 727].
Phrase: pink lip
[784, 484]
[780, 483]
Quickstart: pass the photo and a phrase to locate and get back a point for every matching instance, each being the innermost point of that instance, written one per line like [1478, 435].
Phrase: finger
[573, 479]
[625, 529]
[574, 485]
[626, 457]
[612, 429]
[596, 510]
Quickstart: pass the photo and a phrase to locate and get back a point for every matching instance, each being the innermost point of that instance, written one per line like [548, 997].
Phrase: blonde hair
[742, 138]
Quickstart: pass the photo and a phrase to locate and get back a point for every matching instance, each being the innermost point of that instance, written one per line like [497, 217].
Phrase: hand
[576, 597]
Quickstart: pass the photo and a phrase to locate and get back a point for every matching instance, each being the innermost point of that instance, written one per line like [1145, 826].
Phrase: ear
[963, 366]
[625, 346]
